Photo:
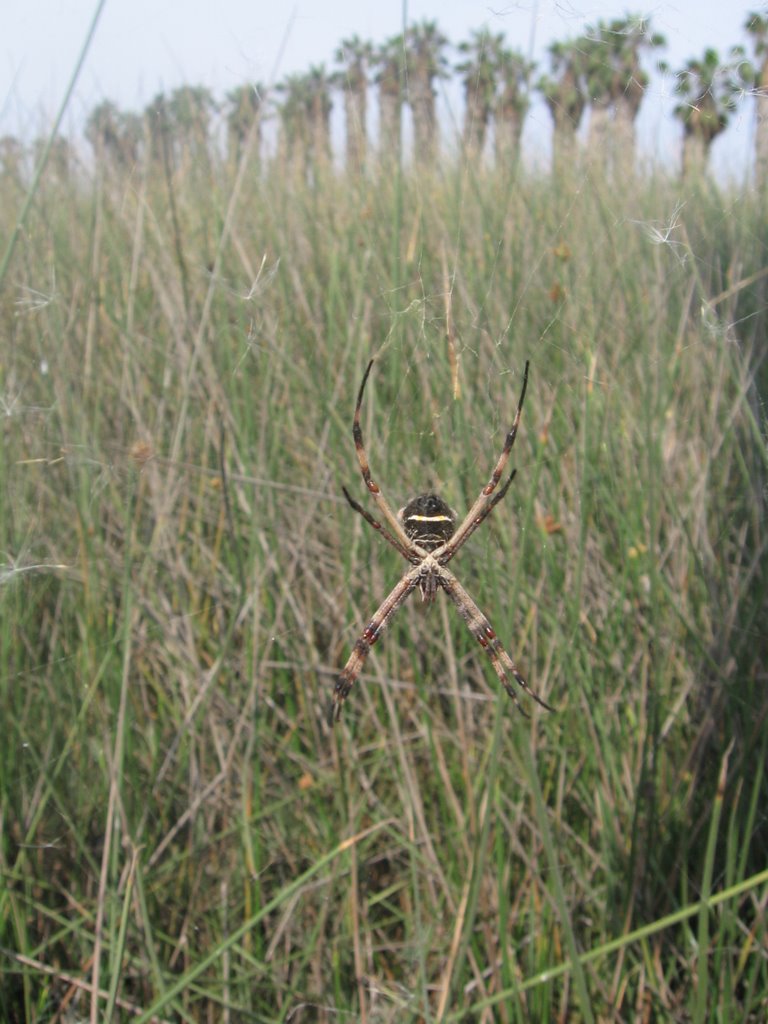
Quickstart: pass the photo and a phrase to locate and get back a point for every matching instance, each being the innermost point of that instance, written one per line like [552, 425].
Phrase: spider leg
[482, 506]
[370, 483]
[483, 632]
[378, 526]
[367, 639]
[451, 548]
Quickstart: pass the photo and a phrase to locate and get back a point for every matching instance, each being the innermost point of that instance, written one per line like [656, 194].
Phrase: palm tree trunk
[599, 141]
[475, 124]
[565, 146]
[390, 127]
[695, 153]
[624, 139]
[424, 122]
[761, 130]
[320, 128]
[508, 130]
[355, 116]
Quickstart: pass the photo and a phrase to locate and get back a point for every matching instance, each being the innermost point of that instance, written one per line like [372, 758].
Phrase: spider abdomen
[428, 521]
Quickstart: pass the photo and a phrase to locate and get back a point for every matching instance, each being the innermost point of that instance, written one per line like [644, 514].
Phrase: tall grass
[183, 579]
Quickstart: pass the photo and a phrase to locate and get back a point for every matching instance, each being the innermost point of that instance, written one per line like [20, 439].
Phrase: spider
[425, 533]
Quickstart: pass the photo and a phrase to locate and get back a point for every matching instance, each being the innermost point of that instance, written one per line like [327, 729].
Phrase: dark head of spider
[428, 521]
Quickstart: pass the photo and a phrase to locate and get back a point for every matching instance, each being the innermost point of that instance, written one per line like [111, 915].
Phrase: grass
[183, 579]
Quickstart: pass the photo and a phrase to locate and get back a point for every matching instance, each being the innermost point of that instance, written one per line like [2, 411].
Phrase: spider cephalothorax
[426, 535]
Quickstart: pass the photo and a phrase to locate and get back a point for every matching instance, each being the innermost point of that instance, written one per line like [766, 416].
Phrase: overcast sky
[144, 46]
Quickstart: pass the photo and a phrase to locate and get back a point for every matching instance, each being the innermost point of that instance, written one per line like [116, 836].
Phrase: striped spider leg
[482, 506]
[424, 532]
[483, 632]
[367, 639]
[370, 483]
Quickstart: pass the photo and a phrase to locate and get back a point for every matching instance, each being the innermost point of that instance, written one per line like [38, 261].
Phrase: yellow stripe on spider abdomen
[428, 521]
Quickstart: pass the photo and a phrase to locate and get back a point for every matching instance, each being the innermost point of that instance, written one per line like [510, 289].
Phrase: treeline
[602, 71]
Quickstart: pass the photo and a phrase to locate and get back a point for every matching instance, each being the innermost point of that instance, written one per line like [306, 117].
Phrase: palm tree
[102, 130]
[178, 125]
[566, 98]
[61, 156]
[190, 108]
[511, 103]
[479, 72]
[114, 135]
[11, 158]
[709, 92]
[293, 138]
[616, 84]
[599, 82]
[244, 114]
[355, 56]
[132, 136]
[757, 26]
[305, 121]
[390, 77]
[159, 131]
[318, 84]
[631, 35]
[426, 62]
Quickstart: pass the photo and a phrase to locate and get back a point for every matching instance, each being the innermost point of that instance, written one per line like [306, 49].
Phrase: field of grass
[183, 836]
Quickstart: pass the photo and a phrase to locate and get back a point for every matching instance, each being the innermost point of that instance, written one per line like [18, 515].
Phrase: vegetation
[355, 56]
[616, 82]
[597, 78]
[566, 97]
[426, 62]
[183, 836]
[496, 85]
[757, 28]
[244, 120]
[389, 77]
[479, 71]
[709, 89]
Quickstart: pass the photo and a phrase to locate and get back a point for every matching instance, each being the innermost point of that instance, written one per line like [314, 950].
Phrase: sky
[142, 47]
